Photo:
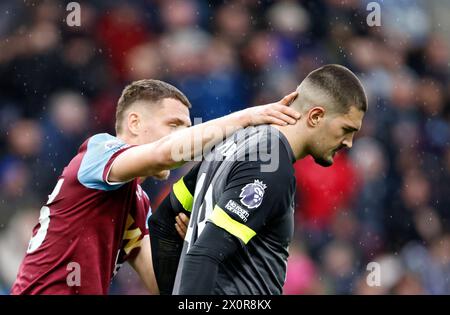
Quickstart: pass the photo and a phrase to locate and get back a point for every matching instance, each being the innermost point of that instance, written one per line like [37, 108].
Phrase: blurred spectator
[302, 274]
[65, 128]
[119, 31]
[234, 24]
[179, 14]
[371, 165]
[339, 265]
[14, 242]
[323, 191]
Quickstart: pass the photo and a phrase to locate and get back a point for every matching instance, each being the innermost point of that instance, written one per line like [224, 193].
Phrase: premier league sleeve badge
[252, 194]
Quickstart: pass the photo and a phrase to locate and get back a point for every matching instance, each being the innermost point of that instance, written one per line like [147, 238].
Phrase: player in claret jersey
[95, 218]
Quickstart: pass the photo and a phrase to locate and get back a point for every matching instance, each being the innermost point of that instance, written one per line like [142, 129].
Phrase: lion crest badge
[252, 194]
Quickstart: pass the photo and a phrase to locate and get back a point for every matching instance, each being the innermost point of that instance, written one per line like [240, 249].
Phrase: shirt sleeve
[201, 265]
[101, 152]
[165, 241]
[250, 199]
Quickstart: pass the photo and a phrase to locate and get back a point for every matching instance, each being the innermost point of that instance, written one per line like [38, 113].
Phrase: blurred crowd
[387, 200]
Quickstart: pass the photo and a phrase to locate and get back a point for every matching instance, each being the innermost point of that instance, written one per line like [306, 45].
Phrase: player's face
[163, 119]
[335, 133]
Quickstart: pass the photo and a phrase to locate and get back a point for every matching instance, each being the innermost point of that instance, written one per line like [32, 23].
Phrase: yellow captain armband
[224, 221]
[183, 194]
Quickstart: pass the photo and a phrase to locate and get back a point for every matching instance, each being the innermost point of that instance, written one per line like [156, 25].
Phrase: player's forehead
[165, 110]
[171, 108]
[353, 119]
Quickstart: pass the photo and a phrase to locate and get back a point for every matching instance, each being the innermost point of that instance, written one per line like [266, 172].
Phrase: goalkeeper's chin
[163, 175]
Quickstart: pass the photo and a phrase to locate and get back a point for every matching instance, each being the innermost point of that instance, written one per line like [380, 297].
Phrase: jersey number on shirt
[44, 220]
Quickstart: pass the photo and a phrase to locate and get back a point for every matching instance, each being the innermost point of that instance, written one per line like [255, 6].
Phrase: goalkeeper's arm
[166, 242]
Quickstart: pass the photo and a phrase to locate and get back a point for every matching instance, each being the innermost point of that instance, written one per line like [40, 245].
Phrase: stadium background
[387, 200]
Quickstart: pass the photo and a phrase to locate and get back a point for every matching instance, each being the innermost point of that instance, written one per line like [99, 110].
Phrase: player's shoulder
[106, 140]
[269, 150]
[101, 142]
[97, 155]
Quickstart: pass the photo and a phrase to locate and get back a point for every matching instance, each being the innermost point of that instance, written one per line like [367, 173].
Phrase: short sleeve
[102, 150]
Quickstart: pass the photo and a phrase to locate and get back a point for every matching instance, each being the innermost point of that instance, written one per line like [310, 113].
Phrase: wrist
[243, 119]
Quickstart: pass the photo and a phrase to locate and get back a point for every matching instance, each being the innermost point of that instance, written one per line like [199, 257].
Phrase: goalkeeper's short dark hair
[334, 87]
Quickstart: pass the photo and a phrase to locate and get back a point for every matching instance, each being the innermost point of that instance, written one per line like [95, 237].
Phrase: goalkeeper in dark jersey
[240, 197]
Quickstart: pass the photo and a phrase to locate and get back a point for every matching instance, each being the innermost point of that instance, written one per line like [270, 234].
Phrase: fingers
[288, 99]
[184, 218]
[182, 222]
[283, 117]
[276, 113]
[180, 231]
[287, 111]
[276, 121]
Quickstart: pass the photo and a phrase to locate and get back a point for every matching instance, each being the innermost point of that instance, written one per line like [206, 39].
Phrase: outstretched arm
[173, 150]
